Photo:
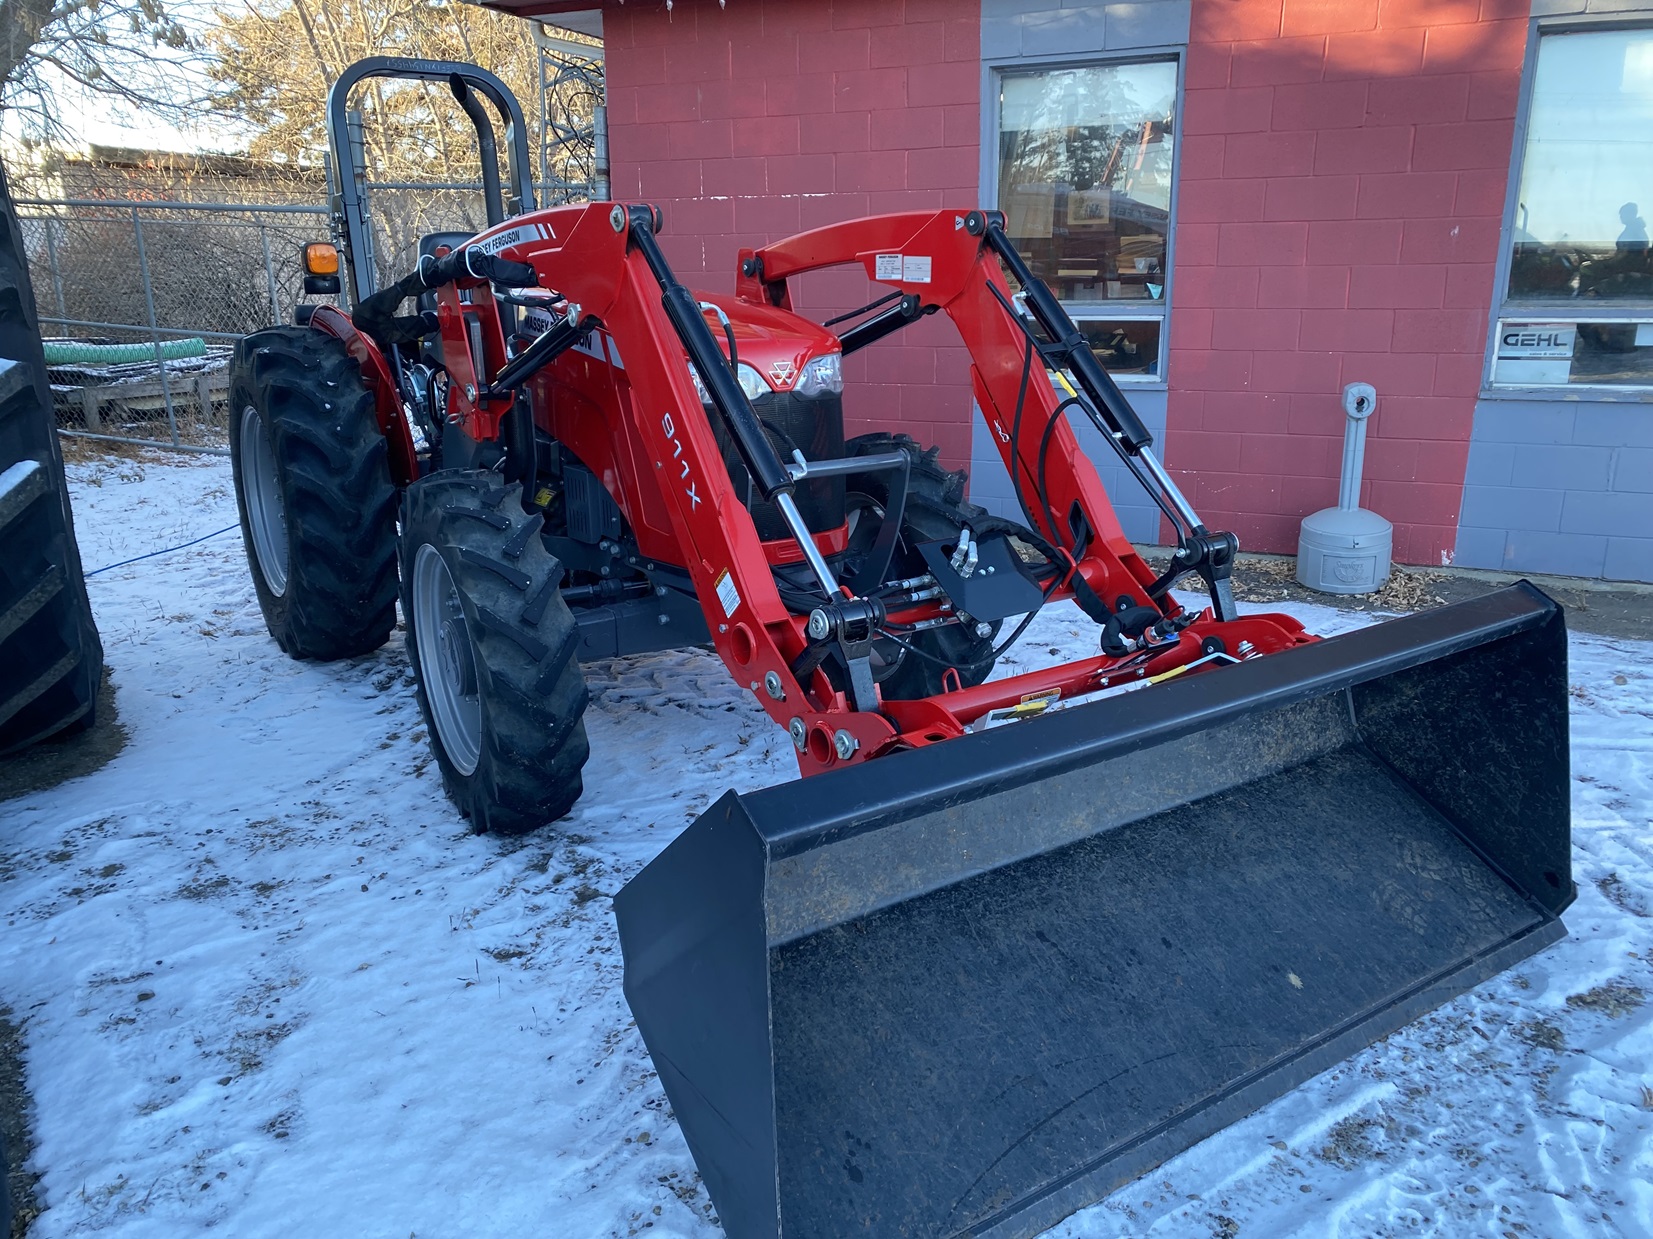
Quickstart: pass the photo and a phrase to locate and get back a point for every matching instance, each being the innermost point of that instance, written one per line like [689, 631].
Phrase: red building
[1246, 204]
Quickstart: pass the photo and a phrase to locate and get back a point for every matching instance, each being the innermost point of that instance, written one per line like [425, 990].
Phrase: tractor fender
[387, 401]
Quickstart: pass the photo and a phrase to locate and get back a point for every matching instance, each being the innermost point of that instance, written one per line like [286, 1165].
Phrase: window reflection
[1587, 172]
[1085, 177]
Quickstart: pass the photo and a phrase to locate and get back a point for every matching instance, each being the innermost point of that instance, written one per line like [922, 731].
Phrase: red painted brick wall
[1343, 170]
[749, 123]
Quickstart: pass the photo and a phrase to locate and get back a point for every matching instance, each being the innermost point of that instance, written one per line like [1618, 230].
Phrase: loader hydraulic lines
[1015, 940]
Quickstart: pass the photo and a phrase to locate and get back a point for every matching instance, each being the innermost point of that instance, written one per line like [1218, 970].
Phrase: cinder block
[1278, 62]
[1633, 470]
[1349, 331]
[1564, 554]
[1413, 100]
[1228, 110]
[1340, 242]
[1440, 331]
[1265, 154]
[1558, 467]
[1396, 287]
[1609, 513]
[1311, 197]
[1494, 96]
[1509, 507]
[1262, 243]
[1404, 195]
[940, 84]
[1514, 421]
[1057, 31]
[1484, 44]
[1613, 425]
[1156, 23]
[1328, 16]
[1360, 54]
[1479, 548]
[1450, 240]
[1467, 144]
[1490, 464]
[1629, 559]
[1319, 106]
[1368, 151]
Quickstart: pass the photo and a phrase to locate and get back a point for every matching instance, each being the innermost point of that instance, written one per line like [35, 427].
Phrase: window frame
[1503, 309]
[995, 69]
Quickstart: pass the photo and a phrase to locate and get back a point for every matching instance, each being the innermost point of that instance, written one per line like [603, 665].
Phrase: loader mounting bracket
[1211, 556]
[843, 631]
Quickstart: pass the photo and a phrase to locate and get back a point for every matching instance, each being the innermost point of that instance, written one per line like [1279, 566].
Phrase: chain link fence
[141, 303]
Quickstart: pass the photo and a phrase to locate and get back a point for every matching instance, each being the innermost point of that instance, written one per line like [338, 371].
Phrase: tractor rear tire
[936, 510]
[493, 647]
[51, 660]
[313, 487]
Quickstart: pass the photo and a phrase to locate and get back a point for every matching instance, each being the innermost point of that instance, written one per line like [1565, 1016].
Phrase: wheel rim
[266, 514]
[447, 660]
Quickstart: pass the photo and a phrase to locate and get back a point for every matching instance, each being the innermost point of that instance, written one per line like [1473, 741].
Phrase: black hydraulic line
[1130, 460]
[493, 202]
[1068, 344]
[871, 305]
[909, 311]
[757, 453]
[551, 344]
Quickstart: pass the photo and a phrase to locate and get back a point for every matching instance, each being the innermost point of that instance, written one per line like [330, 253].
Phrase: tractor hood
[777, 343]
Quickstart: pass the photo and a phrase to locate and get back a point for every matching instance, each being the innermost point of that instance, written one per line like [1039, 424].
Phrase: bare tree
[137, 53]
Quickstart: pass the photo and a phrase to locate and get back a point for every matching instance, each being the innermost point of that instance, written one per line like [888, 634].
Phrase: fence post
[269, 274]
[51, 259]
[154, 327]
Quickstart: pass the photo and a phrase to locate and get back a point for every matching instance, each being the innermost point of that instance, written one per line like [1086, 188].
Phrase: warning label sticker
[916, 269]
[888, 267]
[727, 595]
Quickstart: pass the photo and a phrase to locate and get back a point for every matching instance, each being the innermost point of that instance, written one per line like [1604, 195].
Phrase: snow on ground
[273, 986]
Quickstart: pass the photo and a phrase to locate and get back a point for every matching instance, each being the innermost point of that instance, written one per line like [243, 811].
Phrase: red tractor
[566, 454]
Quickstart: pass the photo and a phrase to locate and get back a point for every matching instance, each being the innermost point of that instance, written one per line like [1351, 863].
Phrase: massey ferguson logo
[783, 372]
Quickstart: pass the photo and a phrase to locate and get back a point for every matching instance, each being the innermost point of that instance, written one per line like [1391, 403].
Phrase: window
[1085, 158]
[1579, 308]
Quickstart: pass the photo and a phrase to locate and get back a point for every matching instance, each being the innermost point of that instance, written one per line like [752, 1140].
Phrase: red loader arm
[606, 268]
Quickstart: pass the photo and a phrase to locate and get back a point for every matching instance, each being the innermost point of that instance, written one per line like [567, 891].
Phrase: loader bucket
[968, 989]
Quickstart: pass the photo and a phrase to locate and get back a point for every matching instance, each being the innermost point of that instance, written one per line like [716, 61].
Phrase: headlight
[751, 382]
[824, 374]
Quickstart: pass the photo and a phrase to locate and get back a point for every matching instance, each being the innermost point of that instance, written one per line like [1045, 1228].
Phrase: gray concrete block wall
[990, 480]
[1040, 31]
[1560, 486]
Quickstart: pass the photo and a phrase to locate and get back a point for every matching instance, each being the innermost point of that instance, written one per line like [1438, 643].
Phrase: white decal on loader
[727, 595]
[670, 427]
[513, 236]
[888, 267]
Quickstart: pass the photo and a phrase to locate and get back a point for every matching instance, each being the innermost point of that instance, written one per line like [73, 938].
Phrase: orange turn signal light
[321, 258]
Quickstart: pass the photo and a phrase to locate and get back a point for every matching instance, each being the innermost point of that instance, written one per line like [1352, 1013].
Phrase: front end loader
[1010, 941]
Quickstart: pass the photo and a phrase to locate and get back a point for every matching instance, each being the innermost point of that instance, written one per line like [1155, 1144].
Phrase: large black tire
[51, 661]
[493, 647]
[936, 510]
[304, 438]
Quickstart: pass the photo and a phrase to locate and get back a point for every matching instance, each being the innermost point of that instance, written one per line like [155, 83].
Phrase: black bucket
[966, 990]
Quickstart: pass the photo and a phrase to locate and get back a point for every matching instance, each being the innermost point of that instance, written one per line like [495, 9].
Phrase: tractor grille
[816, 427]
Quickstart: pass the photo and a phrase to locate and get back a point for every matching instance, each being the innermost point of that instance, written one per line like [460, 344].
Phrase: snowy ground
[272, 985]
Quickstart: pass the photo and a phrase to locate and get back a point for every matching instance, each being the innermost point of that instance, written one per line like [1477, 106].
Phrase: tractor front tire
[493, 648]
[312, 484]
[935, 511]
